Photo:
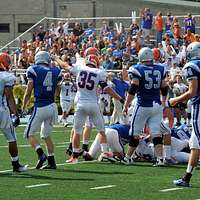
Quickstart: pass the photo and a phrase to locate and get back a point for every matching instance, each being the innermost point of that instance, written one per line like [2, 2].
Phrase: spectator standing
[168, 22]
[189, 23]
[41, 33]
[147, 21]
[159, 27]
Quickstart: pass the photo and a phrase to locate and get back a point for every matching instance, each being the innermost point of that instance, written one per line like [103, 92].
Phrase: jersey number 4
[153, 79]
[87, 80]
[48, 81]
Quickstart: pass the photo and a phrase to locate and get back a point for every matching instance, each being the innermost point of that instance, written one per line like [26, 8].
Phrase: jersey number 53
[153, 79]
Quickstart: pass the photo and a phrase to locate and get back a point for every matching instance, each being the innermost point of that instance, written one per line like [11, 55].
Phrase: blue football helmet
[193, 51]
[145, 54]
[42, 57]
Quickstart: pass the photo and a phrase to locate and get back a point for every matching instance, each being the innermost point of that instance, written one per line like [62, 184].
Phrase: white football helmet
[193, 51]
[42, 57]
[145, 54]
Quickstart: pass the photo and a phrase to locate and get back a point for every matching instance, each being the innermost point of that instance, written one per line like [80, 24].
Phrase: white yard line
[102, 187]
[60, 144]
[59, 164]
[37, 185]
[171, 189]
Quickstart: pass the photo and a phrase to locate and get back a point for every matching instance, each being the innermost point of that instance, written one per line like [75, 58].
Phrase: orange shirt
[159, 23]
[190, 38]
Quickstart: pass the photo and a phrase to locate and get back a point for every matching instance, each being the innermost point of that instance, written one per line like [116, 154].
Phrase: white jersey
[68, 91]
[6, 79]
[87, 81]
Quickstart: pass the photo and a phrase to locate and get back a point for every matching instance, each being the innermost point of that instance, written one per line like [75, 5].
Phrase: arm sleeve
[31, 74]
[191, 71]
[10, 80]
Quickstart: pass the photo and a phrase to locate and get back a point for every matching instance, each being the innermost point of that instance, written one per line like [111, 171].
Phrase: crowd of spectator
[118, 46]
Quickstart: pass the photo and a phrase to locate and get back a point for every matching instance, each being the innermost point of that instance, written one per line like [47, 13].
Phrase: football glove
[15, 120]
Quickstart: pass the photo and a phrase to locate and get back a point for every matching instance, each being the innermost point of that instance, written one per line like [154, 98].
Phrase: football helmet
[193, 51]
[91, 51]
[5, 61]
[92, 60]
[145, 54]
[156, 54]
[42, 57]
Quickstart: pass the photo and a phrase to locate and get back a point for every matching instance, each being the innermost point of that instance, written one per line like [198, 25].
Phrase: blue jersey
[182, 132]
[150, 79]
[189, 24]
[120, 86]
[123, 131]
[192, 71]
[45, 80]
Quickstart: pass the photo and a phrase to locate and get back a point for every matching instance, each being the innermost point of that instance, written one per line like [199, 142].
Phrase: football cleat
[72, 160]
[41, 161]
[106, 156]
[182, 183]
[65, 124]
[21, 168]
[49, 166]
[69, 151]
[159, 163]
[127, 161]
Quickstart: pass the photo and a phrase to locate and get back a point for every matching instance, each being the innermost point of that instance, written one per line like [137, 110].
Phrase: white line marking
[170, 189]
[38, 185]
[59, 164]
[27, 145]
[103, 187]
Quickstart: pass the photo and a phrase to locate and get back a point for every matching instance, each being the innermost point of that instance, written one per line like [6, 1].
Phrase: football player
[147, 80]
[88, 78]
[117, 136]
[192, 72]
[43, 80]
[8, 107]
[67, 94]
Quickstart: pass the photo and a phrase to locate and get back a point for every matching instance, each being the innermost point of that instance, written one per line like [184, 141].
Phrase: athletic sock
[51, 160]
[39, 151]
[104, 147]
[76, 152]
[190, 170]
[167, 151]
[85, 147]
[15, 162]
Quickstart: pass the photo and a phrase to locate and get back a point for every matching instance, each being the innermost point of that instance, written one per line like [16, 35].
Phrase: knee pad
[157, 140]
[133, 142]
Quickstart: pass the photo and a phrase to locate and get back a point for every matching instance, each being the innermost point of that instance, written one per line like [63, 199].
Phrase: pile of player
[147, 86]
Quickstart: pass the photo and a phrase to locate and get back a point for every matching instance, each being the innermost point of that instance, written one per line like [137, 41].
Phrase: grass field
[84, 180]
